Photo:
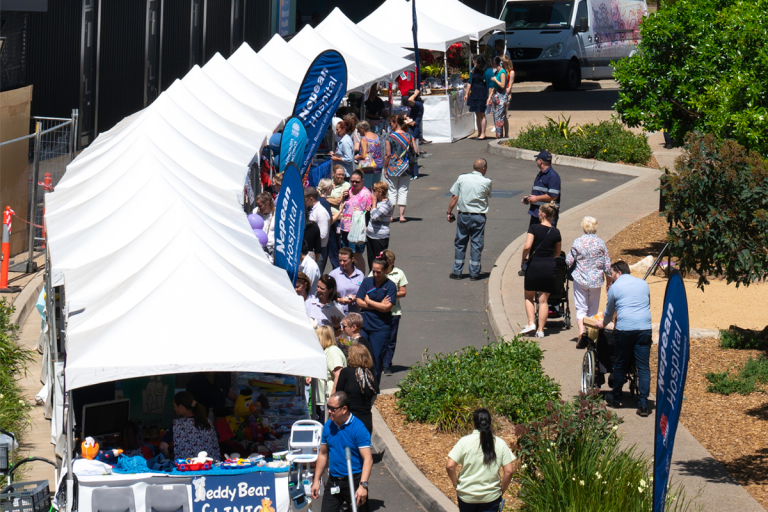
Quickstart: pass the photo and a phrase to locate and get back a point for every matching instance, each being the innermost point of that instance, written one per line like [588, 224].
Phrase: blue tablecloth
[132, 465]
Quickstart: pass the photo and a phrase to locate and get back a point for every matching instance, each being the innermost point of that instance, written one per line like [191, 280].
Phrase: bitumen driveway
[441, 314]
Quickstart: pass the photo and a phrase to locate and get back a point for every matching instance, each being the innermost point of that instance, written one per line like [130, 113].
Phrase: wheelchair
[598, 362]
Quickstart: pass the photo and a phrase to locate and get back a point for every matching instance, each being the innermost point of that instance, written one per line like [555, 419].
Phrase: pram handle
[32, 459]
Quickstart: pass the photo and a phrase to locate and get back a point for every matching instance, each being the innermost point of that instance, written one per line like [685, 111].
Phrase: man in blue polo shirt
[342, 431]
[546, 188]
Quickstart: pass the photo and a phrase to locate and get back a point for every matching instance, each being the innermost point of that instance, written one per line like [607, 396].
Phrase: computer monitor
[105, 418]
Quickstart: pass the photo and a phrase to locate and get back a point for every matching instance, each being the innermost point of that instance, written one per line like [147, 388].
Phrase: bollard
[6, 253]
[48, 187]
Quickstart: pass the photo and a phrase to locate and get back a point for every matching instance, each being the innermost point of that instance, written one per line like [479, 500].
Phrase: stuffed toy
[89, 449]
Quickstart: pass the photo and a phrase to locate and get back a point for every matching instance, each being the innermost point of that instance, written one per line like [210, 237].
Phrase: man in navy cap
[546, 188]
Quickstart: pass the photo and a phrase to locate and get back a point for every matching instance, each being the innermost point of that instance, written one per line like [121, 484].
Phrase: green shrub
[740, 340]
[591, 473]
[608, 141]
[744, 382]
[563, 425]
[14, 410]
[504, 377]
[717, 204]
[700, 65]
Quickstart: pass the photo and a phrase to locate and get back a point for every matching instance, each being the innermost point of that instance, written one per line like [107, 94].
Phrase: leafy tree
[717, 205]
[701, 65]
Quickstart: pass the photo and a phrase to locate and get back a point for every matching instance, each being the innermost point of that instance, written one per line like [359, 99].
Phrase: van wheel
[572, 79]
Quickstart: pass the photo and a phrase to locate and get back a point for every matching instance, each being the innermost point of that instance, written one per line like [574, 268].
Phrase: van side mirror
[583, 25]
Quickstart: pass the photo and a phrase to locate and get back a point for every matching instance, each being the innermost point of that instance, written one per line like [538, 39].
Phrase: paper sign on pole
[674, 338]
[289, 222]
[321, 92]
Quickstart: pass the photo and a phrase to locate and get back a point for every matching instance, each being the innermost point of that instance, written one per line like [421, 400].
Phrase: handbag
[357, 229]
[530, 255]
[569, 270]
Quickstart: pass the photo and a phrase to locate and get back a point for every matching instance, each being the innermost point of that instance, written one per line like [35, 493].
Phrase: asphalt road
[441, 314]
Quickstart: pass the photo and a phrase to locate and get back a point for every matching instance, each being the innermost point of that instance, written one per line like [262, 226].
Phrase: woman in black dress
[357, 381]
[544, 240]
[476, 95]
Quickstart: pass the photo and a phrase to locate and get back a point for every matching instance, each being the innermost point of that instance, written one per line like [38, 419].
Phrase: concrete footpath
[614, 210]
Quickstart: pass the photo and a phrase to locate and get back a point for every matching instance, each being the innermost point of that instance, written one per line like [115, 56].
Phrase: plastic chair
[167, 498]
[113, 499]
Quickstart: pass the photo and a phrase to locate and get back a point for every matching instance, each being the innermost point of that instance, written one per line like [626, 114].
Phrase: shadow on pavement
[708, 468]
[565, 101]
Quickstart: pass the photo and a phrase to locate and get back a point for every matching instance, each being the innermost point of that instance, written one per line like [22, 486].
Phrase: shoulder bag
[530, 255]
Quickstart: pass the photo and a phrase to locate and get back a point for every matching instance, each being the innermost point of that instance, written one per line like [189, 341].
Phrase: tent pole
[445, 69]
[69, 432]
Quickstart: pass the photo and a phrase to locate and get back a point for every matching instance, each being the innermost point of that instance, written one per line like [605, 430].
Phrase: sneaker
[610, 402]
[643, 412]
[527, 329]
[387, 371]
[539, 334]
[454, 276]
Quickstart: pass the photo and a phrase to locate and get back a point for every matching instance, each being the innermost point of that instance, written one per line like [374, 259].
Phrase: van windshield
[537, 15]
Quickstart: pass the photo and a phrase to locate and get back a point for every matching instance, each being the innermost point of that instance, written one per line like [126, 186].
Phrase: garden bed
[428, 448]
[607, 141]
[733, 428]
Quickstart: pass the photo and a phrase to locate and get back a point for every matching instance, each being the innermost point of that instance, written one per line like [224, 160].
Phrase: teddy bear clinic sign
[243, 492]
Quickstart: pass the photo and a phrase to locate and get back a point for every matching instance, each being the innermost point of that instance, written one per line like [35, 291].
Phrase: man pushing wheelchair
[630, 298]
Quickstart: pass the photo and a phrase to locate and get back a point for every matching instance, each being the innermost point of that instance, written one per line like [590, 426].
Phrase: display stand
[447, 117]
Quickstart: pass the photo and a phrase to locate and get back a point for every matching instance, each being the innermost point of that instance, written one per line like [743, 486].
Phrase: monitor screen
[105, 418]
[302, 436]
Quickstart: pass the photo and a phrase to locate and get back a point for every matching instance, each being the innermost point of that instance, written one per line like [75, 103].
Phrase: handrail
[31, 135]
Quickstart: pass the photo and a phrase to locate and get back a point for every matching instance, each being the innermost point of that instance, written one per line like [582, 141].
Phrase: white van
[567, 41]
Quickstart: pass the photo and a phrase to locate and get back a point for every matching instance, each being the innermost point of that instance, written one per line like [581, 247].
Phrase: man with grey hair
[471, 192]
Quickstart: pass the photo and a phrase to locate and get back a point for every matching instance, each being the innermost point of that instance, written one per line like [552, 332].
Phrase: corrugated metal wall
[217, 28]
[257, 23]
[176, 17]
[122, 61]
[53, 64]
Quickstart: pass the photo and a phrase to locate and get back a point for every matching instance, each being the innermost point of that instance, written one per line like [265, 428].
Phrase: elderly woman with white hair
[591, 267]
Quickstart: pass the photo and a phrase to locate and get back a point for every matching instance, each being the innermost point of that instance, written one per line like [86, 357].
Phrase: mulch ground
[734, 428]
[638, 240]
[428, 448]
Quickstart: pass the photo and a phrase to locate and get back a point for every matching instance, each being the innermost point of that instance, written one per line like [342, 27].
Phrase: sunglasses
[332, 409]
[355, 182]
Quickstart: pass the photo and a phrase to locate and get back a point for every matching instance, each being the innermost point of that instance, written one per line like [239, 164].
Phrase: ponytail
[186, 400]
[482, 420]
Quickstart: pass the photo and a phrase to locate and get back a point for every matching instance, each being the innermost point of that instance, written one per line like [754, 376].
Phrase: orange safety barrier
[6, 250]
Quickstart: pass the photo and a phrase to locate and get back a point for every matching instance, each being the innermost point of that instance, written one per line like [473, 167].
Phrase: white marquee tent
[161, 270]
[391, 23]
[336, 20]
[459, 16]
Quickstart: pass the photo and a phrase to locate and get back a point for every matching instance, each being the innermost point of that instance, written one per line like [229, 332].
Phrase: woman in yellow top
[481, 454]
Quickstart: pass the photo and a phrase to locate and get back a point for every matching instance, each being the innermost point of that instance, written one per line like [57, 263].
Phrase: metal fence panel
[46, 153]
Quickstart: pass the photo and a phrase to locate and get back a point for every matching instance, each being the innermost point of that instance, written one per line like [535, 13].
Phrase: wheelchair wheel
[588, 371]
[634, 386]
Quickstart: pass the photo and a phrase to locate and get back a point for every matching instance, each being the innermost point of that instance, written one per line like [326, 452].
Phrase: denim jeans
[470, 230]
[379, 339]
[626, 344]
[334, 244]
[389, 348]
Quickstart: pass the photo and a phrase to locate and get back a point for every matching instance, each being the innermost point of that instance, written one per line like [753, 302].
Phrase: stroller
[598, 361]
[559, 305]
